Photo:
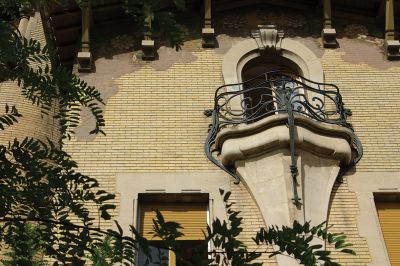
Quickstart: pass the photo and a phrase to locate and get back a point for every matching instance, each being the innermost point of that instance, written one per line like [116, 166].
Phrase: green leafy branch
[47, 85]
[157, 18]
[10, 117]
[40, 181]
[297, 241]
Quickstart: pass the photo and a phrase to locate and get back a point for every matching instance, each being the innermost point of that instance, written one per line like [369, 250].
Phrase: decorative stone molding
[271, 133]
[235, 59]
[268, 37]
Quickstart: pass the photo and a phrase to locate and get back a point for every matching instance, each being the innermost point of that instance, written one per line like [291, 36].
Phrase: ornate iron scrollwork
[277, 93]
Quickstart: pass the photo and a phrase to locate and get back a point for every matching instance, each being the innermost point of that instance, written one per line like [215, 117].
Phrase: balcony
[275, 98]
[287, 139]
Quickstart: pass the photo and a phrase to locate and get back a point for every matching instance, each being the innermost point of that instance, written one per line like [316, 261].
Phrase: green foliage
[46, 84]
[297, 242]
[9, 118]
[106, 253]
[157, 18]
[224, 236]
[40, 183]
[25, 246]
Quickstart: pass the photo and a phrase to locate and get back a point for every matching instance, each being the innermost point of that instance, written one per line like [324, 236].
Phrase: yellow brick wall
[342, 217]
[154, 123]
[373, 96]
[251, 223]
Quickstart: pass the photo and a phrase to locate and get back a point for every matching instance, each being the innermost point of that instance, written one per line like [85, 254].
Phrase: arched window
[261, 76]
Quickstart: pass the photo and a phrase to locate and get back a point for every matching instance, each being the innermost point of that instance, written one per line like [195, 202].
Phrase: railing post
[85, 63]
[207, 33]
[328, 32]
[148, 47]
[391, 45]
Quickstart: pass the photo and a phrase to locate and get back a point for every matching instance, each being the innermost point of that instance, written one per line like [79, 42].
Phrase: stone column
[328, 32]
[85, 63]
[207, 32]
[391, 45]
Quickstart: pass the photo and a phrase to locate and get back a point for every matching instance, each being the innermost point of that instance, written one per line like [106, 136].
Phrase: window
[189, 210]
[260, 98]
[388, 208]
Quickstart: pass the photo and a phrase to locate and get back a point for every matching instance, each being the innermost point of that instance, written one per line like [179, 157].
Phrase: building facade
[304, 158]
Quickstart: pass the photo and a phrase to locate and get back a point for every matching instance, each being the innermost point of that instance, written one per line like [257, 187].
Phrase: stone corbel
[208, 33]
[148, 49]
[268, 37]
[328, 33]
[391, 45]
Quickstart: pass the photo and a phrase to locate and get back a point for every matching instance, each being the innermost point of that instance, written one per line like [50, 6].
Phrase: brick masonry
[155, 123]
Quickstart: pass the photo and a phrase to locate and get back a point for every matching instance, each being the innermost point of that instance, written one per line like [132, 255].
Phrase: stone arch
[240, 54]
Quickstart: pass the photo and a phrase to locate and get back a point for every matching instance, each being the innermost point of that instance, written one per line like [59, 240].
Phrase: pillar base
[329, 38]
[149, 52]
[208, 37]
[85, 62]
[392, 48]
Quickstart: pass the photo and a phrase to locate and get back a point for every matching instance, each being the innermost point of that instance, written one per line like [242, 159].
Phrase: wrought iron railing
[274, 93]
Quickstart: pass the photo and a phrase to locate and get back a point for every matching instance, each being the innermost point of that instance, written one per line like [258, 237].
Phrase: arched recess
[304, 59]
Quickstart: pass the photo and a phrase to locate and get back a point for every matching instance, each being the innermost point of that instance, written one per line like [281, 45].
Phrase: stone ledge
[271, 133]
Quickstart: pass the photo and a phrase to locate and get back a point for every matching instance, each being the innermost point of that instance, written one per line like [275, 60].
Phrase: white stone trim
[244, 51]
[129, 185]
[364, 184]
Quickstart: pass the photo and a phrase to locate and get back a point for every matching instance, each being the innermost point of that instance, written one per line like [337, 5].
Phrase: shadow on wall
[117, 52]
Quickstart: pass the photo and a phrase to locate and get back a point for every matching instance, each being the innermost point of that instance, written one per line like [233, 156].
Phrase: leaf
[348, 251]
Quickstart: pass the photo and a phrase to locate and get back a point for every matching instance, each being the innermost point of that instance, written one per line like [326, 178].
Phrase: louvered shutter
[191, 216]
[389, 218]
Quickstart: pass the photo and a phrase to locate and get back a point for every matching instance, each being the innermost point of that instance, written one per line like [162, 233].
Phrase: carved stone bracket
[149, 52]
[208, 33]
[268, 37]
[85, 63]
[208, 37]
[392, 49]
[391, 44]
[328, 36]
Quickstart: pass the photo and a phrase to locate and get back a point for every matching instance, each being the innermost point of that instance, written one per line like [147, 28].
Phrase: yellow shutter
[191, 216]
[389, 218]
